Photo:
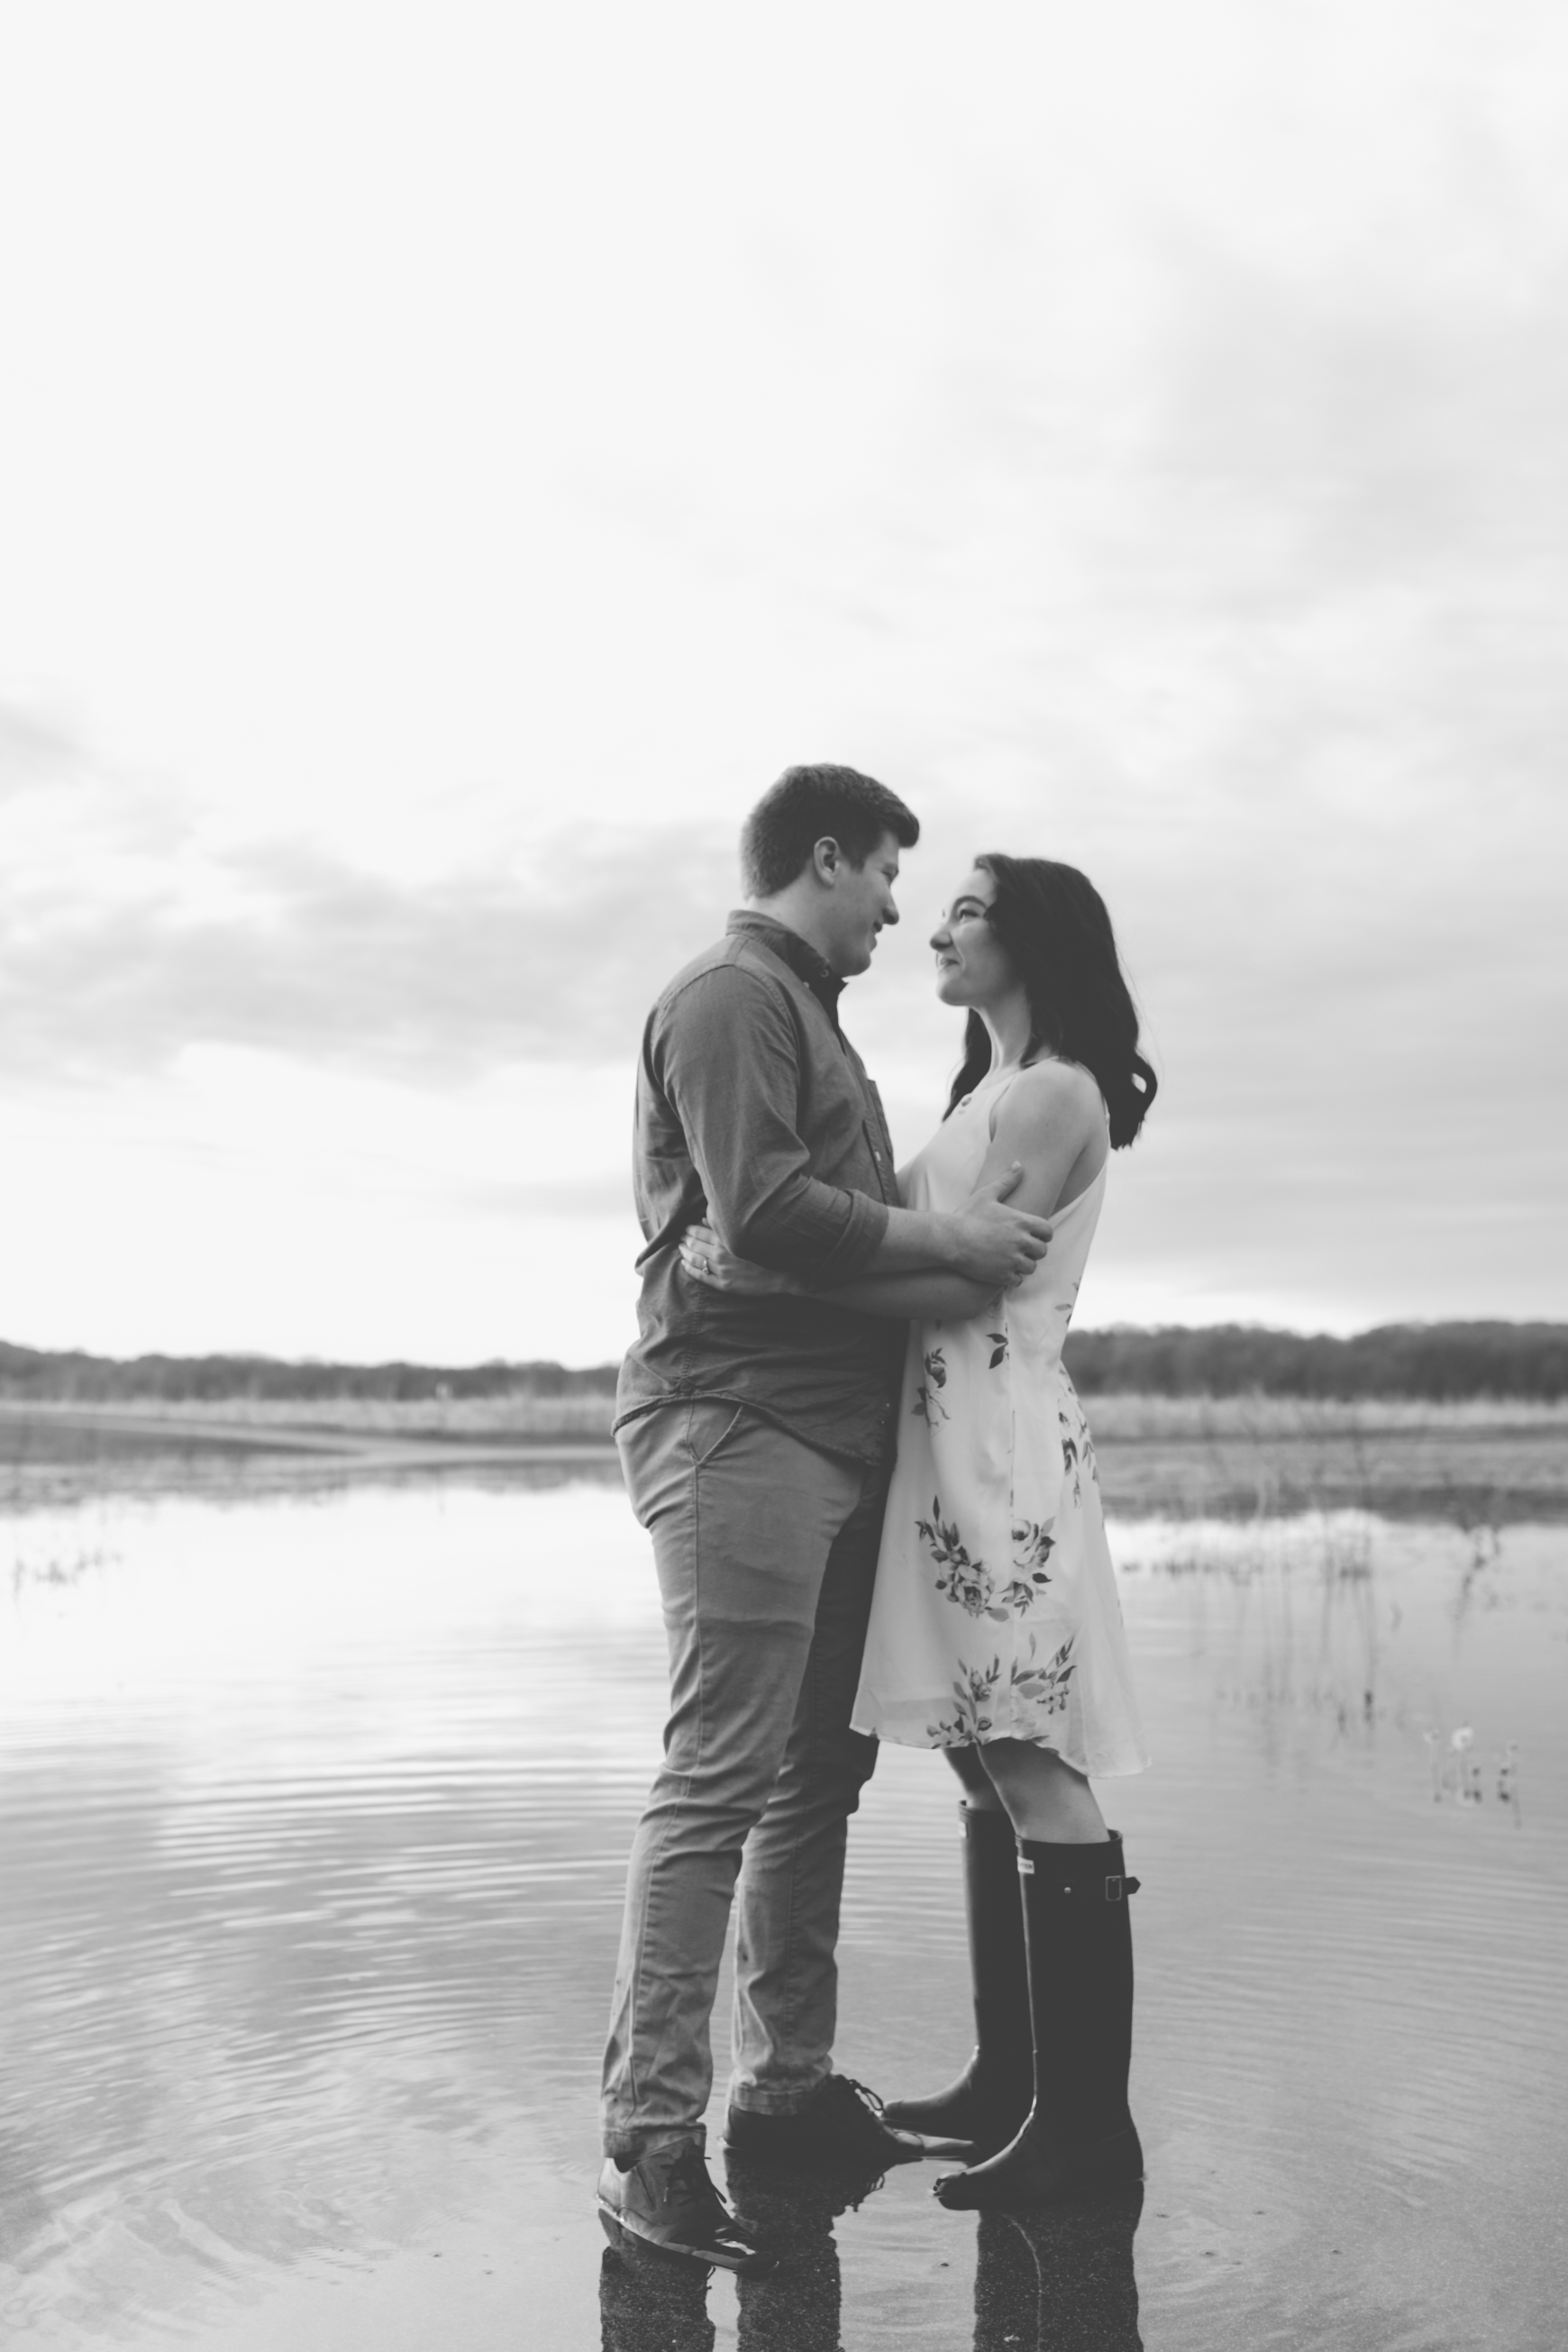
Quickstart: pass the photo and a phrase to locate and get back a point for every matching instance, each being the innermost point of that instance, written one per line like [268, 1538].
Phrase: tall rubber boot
[983, 2110]
[1079, 2139]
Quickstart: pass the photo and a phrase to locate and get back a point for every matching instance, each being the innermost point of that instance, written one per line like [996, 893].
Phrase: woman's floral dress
[996, 1614]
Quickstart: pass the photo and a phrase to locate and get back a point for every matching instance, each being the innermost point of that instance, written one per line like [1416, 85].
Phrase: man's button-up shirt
[756, 1114]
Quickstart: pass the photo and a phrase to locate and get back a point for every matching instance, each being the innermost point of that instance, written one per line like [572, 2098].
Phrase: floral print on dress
[1041, 1689]
[1078, 1452]
[996, 1612]
[1033, 1544]
[974, 1690]
[970, 1583]
[1045, 1687]
[928, 1405]
[1070, 1460]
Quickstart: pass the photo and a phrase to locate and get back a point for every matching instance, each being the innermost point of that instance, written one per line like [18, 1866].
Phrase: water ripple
[312, 1820]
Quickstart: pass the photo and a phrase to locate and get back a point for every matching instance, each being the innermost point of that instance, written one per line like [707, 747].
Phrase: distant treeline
[72, 1377]
[1437, 1360]
[1432, 1361]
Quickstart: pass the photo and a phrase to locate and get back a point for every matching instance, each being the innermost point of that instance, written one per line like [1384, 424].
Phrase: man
[756, 1435]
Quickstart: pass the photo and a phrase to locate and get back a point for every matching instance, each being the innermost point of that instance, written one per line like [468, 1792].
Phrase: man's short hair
[809, 804]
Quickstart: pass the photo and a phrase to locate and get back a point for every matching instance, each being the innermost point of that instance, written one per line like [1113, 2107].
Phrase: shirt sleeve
[727, 1058]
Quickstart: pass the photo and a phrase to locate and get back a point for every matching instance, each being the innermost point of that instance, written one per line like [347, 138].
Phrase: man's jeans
[766, 1549]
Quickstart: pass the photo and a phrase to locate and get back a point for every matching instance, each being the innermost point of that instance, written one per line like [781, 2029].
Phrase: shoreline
[1477, 1466]
[527, 1418]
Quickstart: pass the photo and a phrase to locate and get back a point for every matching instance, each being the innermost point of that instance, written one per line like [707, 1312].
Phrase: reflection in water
[1305, 1621]
[313, 1818]
[1059, 2281]
[1049, 2282]
[651, 2302]
[796, 2307]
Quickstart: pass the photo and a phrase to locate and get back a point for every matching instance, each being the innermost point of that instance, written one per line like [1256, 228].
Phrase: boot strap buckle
[1113, 1888]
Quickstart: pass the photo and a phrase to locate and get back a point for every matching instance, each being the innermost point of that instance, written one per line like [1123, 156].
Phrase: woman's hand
[706, 1259]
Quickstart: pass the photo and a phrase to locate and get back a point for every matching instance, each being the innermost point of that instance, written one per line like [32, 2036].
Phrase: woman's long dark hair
[1053, 923]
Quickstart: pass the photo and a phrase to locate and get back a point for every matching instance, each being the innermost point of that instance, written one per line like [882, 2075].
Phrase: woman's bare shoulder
[1052, 1092]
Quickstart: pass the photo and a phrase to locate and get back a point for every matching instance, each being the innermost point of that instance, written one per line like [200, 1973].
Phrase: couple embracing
[847, 1426]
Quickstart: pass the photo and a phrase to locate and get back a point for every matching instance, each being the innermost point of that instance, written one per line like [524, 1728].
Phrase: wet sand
[313, 1807]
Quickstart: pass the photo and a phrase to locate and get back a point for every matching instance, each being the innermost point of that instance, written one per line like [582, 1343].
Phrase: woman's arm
[1052, 1124]
[931, 1298]
[941, 1298]
[1053, 1121]
[1050, 1128]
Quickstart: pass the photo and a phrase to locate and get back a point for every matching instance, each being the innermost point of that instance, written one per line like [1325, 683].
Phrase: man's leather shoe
[667, 2201]
[841, 2124]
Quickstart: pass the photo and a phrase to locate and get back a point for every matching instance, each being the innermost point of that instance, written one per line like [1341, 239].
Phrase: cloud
[577, 1197]
[34, 751]
[125, 937]
[1159, 468]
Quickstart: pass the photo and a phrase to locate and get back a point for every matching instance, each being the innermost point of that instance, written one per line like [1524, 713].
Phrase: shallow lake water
[313, 1810]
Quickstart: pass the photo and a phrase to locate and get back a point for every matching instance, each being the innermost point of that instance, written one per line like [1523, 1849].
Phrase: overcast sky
[452, 458]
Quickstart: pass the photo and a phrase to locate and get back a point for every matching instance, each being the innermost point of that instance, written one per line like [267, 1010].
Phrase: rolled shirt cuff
[856, 1244]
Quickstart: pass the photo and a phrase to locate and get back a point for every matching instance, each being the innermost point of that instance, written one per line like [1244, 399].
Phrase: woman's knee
[1045, 1798]
[978, 1786]
[1018, 1767]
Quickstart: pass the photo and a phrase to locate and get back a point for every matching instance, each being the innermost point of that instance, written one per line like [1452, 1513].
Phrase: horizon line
[1472, 1325]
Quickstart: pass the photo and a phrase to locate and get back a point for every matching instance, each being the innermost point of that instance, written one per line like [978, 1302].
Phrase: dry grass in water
[1115, 1420]
[1132, 1417]
[497, 1418]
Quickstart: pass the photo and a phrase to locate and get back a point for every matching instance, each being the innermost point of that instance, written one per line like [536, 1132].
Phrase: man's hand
[994, 1244]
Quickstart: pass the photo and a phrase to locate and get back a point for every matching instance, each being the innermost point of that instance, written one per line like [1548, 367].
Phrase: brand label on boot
[1025, 1867]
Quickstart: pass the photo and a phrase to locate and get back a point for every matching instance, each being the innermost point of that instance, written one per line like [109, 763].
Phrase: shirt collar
[799, 954]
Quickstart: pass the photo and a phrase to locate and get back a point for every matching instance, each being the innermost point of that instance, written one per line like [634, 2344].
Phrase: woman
[995, 1630]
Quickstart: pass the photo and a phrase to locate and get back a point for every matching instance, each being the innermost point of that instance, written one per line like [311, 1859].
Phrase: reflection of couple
[1054, 2279]
[811, 1605]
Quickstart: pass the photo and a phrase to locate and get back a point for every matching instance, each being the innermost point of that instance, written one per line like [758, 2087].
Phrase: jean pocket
[711, 1423]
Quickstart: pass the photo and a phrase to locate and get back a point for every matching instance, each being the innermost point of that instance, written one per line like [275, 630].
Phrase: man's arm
[987, 1242]
[726, 1058]
[727, 1061]
[945, 1295]
[1049, 1126]
[1054, 1121]
[931, 1298]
